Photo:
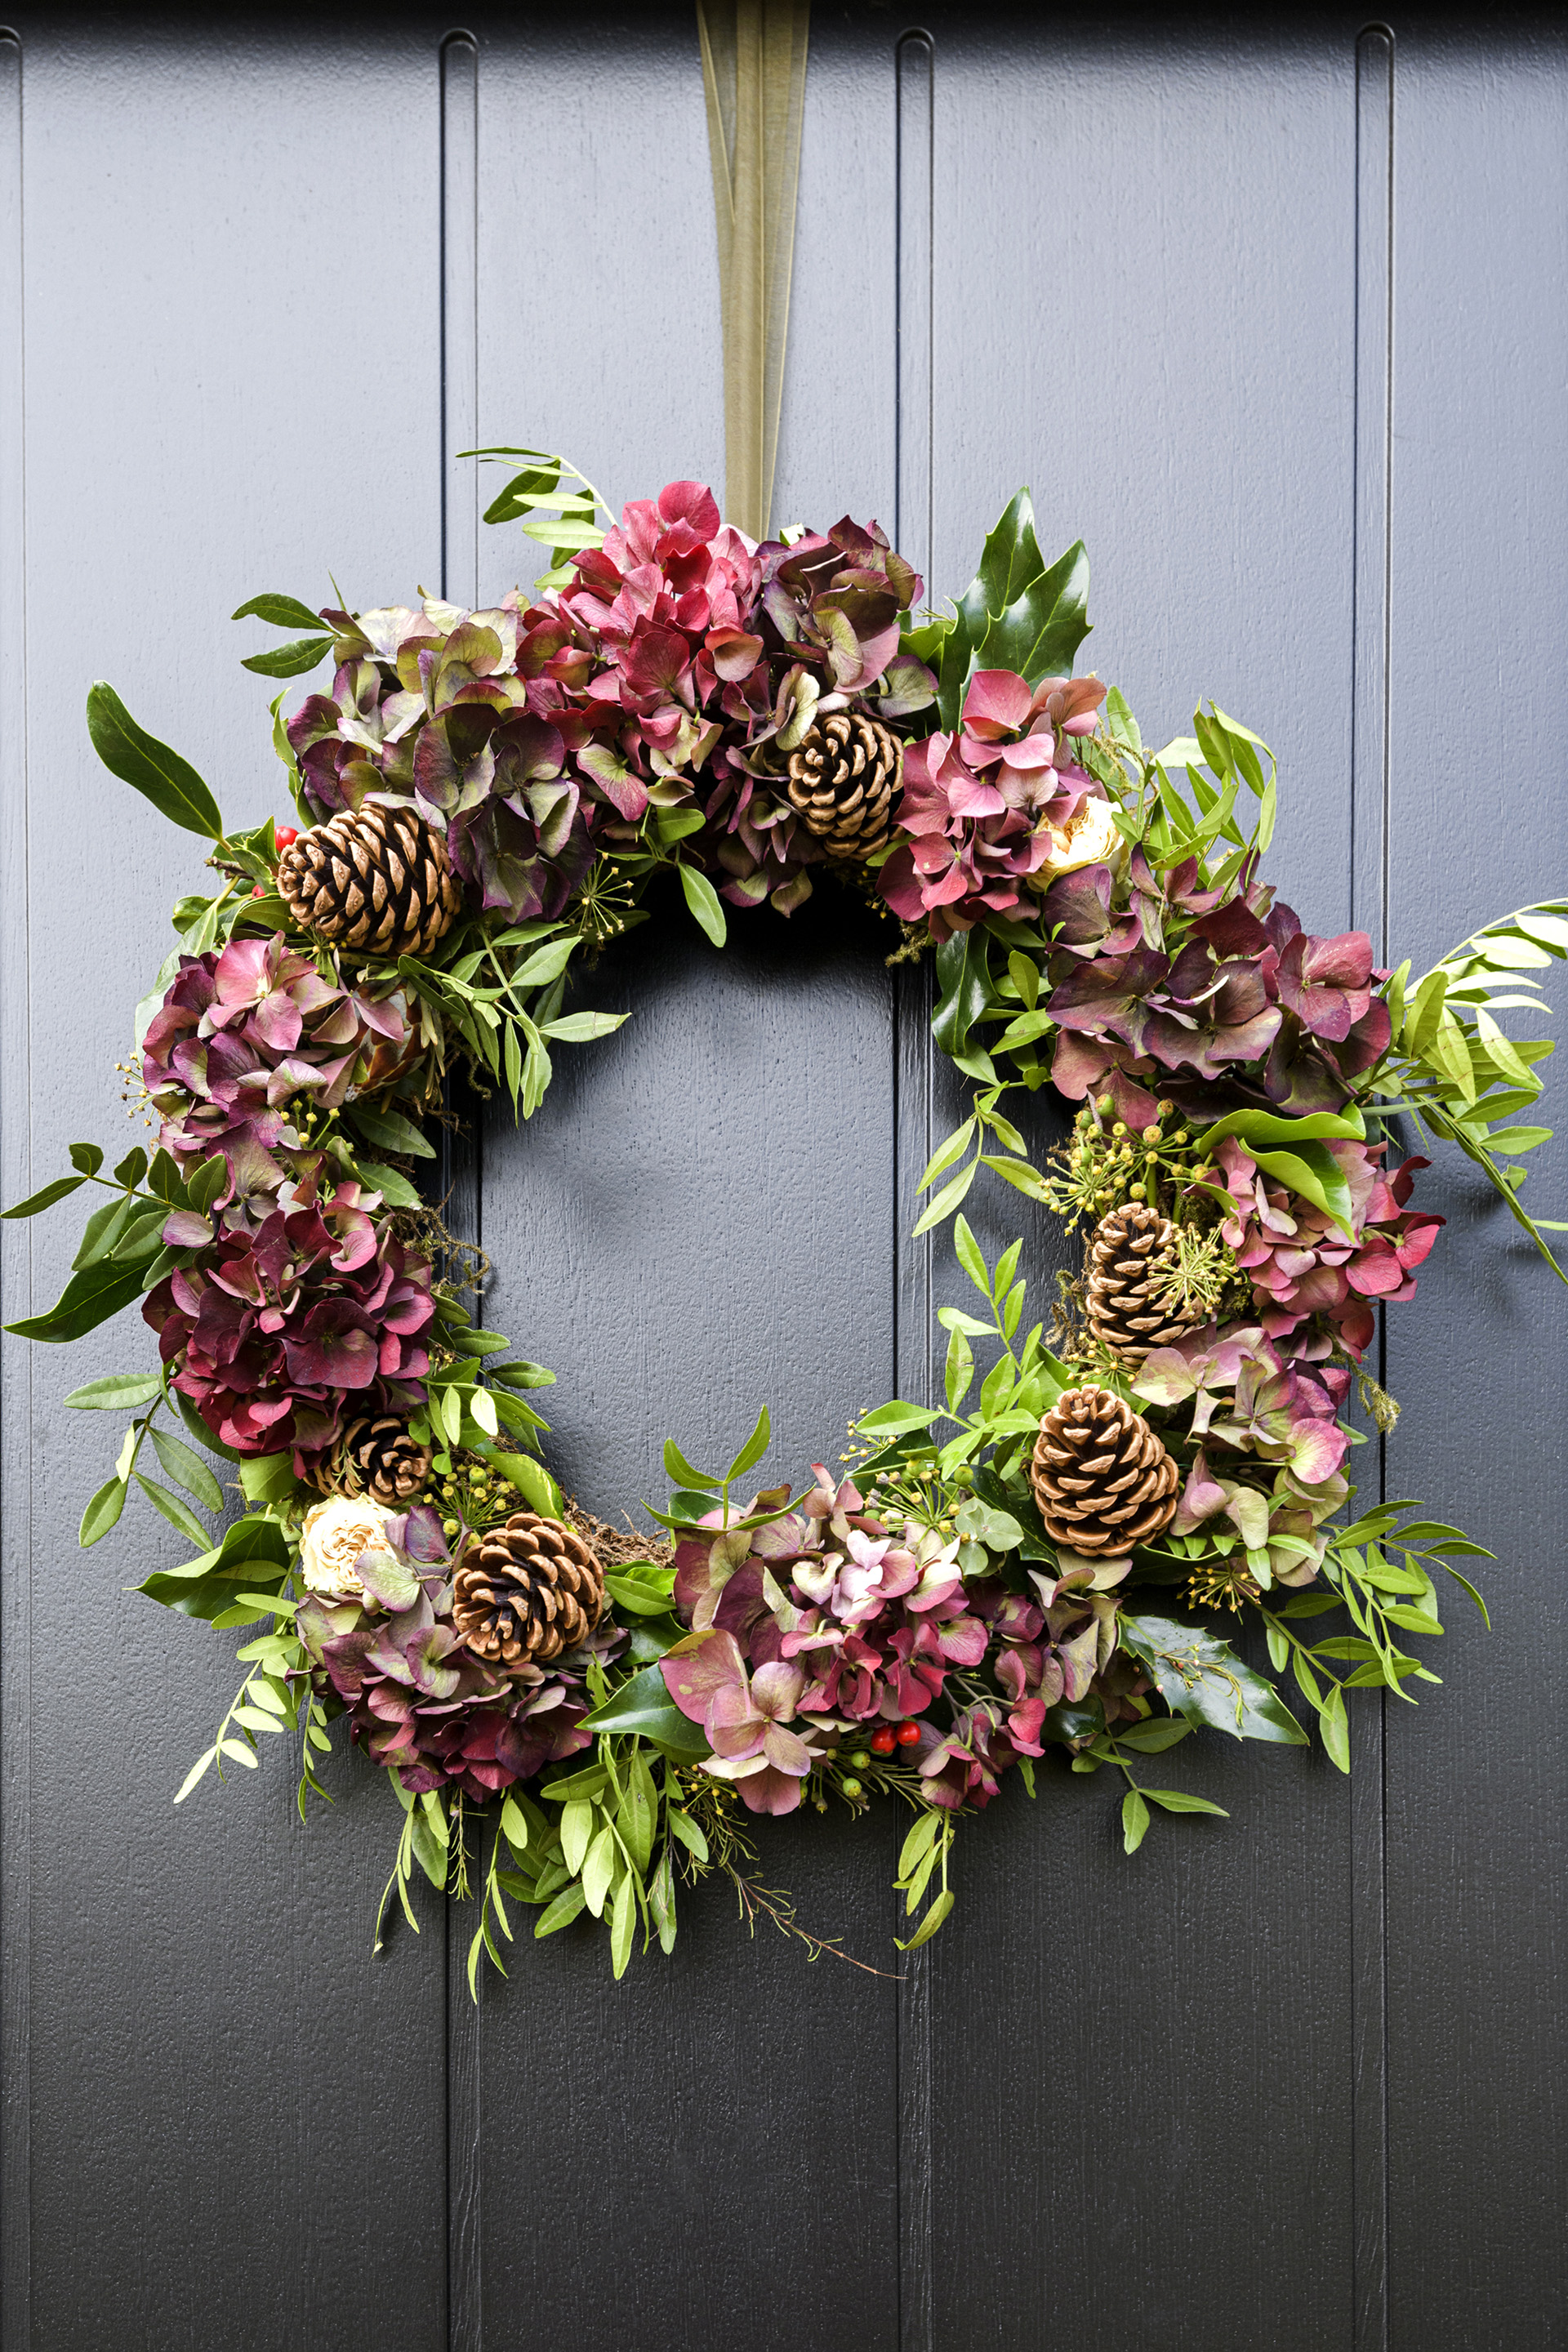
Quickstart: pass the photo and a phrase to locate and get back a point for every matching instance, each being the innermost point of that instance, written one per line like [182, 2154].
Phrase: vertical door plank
[238, 2119]
[699, 1219]
[1150, 314]
[1478, 1913]
[16, 1261]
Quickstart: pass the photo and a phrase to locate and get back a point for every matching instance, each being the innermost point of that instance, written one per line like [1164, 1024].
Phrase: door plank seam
[16, 1258]
[914, 495]
[460, 1150]
[1369, 812]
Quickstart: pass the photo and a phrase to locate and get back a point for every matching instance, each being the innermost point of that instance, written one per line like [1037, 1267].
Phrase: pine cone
[841, 782]
[374, 878]
[527, 1591]
[1102, 1477]
[385, 1459]
[1129, 1251]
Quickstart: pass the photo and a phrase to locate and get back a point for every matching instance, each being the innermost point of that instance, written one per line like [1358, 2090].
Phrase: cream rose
[1088, 839]
[335, 1533]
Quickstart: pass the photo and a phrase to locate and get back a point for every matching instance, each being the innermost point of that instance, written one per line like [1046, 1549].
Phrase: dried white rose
[335, 1533]
[1088, 839]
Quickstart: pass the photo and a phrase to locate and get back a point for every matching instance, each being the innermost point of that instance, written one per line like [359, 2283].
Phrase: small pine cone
[526, 1592]
[841, 782]
[1129, 1251]
[375, 877]
[1102, 1477]
[385, 1460]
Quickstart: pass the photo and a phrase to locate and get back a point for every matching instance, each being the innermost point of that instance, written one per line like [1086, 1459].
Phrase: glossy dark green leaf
[1039, 632]
[280, 612]
[755, 1446]
[150, 768]
[36, 1201]
[963, 986]
[1199, 1677]
[644, 1705]
[292, 660]
[89, 1299]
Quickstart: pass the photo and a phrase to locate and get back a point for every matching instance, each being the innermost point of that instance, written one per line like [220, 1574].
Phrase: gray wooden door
[1277, 319]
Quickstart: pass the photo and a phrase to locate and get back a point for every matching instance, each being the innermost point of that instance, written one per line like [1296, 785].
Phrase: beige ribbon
[754, 69]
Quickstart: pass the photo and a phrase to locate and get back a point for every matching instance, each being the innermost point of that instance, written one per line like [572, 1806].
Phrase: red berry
[257, 891]
[907, 1734]
[882, 1741]
[286, 836]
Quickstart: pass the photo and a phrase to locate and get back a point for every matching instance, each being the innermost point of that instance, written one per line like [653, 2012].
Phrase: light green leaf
[948, 1199]
[119, 1389]
[598, 1868]
[704, 903]
[194, 1775]
[577, 1818]
[187, 1469]
[101, 1513]
[971, 1257]
[1177, 1800]
[562, 1911]
[179, 1515]
[1135, 1819]
[933, 1919]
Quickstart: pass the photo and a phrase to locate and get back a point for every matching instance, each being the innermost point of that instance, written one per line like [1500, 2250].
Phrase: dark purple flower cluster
[1212, 998]
[285, 1322]
[249, 1038]
[678, 668]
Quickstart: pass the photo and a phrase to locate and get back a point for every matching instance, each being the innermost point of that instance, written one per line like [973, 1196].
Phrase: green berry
[851, 1788]
[861, 1758]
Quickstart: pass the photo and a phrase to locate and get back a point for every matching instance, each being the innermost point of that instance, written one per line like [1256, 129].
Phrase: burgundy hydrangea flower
[285, 1324]
[991, 807]
[666, 602]
[422, 1705]
[1303, 1266]
[245, 1034]
[1212, 1000]
[746, 1717]
[849, 1622]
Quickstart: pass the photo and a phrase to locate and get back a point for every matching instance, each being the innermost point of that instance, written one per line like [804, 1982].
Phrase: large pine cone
[1129, 1251]
[526, 1592]
[375, 877]
[1102, 1477]
[385, 1460]
[841, 782]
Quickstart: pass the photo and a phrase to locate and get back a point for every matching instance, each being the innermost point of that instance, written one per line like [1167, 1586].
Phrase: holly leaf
[1199, 1677]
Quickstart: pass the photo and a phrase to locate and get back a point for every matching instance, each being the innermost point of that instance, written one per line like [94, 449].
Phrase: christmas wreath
[584, 1719]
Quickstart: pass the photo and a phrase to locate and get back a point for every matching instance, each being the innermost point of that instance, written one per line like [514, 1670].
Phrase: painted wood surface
[1275, 320]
